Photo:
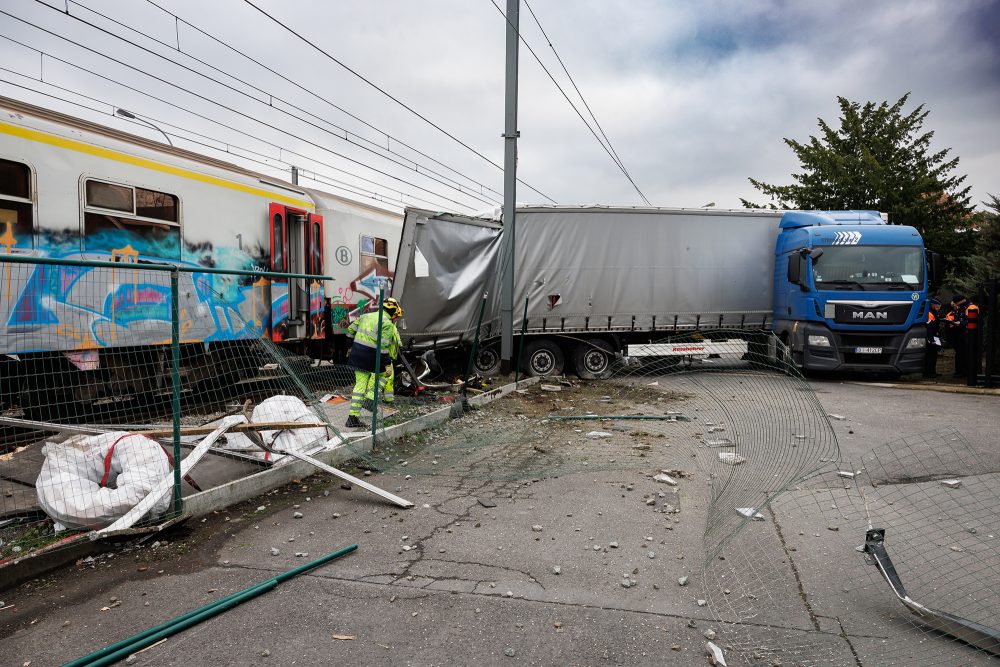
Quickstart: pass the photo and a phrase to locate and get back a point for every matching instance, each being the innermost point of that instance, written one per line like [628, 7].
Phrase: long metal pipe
[124, 648]
[99, 264]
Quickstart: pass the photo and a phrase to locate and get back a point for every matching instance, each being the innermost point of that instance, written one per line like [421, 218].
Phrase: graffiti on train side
[349, 302]
[51, 308]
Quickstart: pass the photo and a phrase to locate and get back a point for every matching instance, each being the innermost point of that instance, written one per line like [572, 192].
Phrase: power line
[211, 101]
[614, 158]
[241, 92]
[393, 98]
[326, 179]
[272, 97]
[193, 113]
[317, 96]
[576, 88]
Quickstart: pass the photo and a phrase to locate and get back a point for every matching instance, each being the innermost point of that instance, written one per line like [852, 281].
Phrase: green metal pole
[668, 418]
[378, 366]
[520, 343]
[475, 346]
[175, 384]
[126, 647]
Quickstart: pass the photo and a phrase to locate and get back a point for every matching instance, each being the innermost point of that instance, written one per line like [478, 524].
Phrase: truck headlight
[818, 341]
[916, 344]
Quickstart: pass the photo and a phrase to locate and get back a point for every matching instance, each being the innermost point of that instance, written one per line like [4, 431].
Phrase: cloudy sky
[694, 96]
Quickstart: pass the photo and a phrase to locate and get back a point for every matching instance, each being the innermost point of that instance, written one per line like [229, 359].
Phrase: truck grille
[857, 314]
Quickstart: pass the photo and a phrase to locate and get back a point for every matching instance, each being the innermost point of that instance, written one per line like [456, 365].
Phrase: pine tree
[880, 159]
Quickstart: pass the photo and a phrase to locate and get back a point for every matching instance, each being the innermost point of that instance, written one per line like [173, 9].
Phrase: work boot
[353, 422]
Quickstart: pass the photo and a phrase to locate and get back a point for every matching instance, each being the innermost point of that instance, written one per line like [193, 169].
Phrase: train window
[152, 204]
[16, 208]
[145, 219]
[374, 255]
[15, 180]
[317, 248]
[110, 196]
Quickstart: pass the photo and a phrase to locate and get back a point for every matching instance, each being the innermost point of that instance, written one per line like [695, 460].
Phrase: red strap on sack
[111, 451]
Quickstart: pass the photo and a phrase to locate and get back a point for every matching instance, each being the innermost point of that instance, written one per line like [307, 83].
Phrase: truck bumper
[861, 350]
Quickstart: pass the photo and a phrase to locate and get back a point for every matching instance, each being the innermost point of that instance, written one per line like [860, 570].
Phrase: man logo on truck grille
[847, 238]
[870, 315]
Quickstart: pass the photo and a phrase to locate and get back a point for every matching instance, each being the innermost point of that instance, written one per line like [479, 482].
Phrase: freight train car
[75, 190]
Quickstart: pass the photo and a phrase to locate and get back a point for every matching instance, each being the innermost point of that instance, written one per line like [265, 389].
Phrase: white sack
[68, 485]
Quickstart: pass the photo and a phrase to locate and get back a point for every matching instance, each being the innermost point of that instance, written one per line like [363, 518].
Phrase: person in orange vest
[962, 309]
[933, 338]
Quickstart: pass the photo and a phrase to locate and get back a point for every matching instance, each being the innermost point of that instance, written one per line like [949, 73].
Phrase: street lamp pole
[124, 113]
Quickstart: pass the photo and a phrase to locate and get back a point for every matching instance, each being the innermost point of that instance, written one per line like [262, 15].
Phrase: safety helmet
[392, 307]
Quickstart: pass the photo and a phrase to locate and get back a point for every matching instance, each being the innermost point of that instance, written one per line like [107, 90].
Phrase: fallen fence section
[249, 487]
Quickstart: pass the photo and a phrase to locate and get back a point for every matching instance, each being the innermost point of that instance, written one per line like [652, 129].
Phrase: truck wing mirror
[795, 269]
[935, 267]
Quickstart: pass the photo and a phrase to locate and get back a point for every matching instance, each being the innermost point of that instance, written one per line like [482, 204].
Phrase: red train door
[315, 266]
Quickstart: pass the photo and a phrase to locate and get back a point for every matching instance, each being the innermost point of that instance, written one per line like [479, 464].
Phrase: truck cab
[850, 292]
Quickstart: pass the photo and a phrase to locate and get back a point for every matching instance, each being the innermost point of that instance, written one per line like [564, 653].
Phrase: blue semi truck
[850, 291]
[844, 290]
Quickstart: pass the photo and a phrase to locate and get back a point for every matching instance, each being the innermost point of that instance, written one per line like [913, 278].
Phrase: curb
[942, 388]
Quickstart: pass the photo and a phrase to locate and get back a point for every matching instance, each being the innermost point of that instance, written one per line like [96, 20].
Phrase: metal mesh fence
[809, 584]
[127, 387]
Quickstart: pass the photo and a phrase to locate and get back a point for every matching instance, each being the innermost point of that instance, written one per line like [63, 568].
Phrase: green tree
[984, 261]
[880, 159]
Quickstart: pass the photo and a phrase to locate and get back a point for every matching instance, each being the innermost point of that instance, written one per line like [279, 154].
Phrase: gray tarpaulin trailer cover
[588, 271]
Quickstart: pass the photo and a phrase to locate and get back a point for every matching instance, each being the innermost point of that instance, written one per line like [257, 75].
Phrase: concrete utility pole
[510, 136]
[295, 175]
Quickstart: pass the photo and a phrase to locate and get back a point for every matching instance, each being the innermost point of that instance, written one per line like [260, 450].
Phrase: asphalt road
[536, 579]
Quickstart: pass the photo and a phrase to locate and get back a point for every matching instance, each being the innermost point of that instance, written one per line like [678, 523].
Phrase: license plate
[868, 350]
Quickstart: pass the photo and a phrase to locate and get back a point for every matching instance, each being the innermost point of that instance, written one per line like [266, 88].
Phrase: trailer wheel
[592, 359]
[543, 357]
[487, 361]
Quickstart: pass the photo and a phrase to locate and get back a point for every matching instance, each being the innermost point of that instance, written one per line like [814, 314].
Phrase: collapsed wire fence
[785, 570]
[127, 386]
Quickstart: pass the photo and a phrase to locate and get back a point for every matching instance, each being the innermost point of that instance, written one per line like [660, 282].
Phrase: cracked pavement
[452, 581]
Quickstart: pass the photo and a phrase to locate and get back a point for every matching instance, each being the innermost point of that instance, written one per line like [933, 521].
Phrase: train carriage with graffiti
[75, 190]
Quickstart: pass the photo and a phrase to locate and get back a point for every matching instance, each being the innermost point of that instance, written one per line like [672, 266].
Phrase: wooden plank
[158, 432]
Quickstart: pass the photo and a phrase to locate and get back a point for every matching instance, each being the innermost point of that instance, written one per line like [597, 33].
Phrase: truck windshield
[869, 268]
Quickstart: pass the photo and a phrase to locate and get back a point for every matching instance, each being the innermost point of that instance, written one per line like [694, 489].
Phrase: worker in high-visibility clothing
[371, 364]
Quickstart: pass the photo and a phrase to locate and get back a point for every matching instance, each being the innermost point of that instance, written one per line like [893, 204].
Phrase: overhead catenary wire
[214, 102]
[393, 98]
[358, 141]
[576, 88]
[387, 135]
[270, 103]
[403, 199]
[613, 156]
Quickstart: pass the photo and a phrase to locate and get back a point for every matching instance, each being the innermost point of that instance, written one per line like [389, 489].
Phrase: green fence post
[378, 366]
[520, 343]
[475, 348]
[175, 384]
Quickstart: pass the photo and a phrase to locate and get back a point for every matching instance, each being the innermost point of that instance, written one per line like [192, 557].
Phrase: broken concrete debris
[845, 474]
[839, 418]
[664, 478]
[732, 458]
[682, 581]
[750, 513]
[951, 483]
[715, 655]
[597, 435]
